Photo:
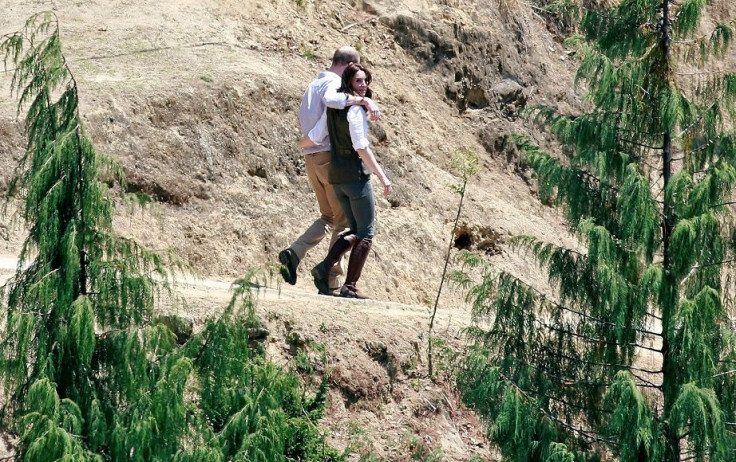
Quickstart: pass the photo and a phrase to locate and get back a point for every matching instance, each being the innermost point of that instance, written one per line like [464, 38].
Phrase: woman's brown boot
[321, 272]
[355, 266]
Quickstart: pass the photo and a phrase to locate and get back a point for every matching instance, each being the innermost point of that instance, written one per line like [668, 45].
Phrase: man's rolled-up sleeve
[333, 98]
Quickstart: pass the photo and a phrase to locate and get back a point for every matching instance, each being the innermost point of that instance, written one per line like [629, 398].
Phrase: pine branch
[658, 192]
[722, 262]
[589, 176]
[544, 297]
[571, 405]
[594, 339]
[705, 38]
[629, 368]
[706, 143]
[602, 364]
[702, 73]
[641, 145]
[725, 373]
[574, 381]
[587, 434]
[697, 120]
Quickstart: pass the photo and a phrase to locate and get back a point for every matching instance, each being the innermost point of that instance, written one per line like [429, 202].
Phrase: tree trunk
[669, 298]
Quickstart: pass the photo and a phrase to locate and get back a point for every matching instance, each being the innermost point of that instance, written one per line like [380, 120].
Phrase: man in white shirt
[320, 94]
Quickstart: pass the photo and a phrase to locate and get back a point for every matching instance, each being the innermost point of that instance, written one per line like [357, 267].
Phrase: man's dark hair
[345, 55]
[349, 73]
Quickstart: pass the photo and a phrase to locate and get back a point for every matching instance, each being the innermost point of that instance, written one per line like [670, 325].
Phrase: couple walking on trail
[334, 115]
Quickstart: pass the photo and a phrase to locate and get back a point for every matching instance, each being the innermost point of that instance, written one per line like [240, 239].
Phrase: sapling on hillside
[464, 164]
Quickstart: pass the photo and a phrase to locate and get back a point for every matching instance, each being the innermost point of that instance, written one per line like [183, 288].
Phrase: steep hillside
[198, 99]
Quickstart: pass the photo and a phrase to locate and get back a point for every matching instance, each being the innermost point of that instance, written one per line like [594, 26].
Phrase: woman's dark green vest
[345, 164]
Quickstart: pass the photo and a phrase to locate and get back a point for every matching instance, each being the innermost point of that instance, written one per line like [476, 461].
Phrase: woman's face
[359, 84]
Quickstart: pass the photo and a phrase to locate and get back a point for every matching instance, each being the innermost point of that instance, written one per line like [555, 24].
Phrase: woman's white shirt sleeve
[358, 127]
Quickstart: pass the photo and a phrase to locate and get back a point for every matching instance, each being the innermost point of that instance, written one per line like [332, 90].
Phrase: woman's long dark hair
[349, 73]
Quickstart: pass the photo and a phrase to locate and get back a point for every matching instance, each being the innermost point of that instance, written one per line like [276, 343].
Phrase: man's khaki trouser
[318, 166]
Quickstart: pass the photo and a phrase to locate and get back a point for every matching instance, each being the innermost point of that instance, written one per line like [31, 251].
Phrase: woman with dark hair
[351, 164]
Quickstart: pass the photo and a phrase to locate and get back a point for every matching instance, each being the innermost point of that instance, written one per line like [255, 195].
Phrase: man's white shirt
[320, 94]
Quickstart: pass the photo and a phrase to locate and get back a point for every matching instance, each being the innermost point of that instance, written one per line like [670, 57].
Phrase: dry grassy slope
[198, 99]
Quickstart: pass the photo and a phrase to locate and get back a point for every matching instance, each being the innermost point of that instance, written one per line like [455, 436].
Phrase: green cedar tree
[88, 372]
[630, 352]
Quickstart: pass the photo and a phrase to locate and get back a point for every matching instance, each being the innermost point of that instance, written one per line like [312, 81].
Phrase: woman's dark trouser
[359, 206]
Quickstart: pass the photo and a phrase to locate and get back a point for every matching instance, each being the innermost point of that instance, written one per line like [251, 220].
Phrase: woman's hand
[387, 186]
[366, 155]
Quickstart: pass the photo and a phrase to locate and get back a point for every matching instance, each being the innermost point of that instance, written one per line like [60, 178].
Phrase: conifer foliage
[87, 371]
[630, 353]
